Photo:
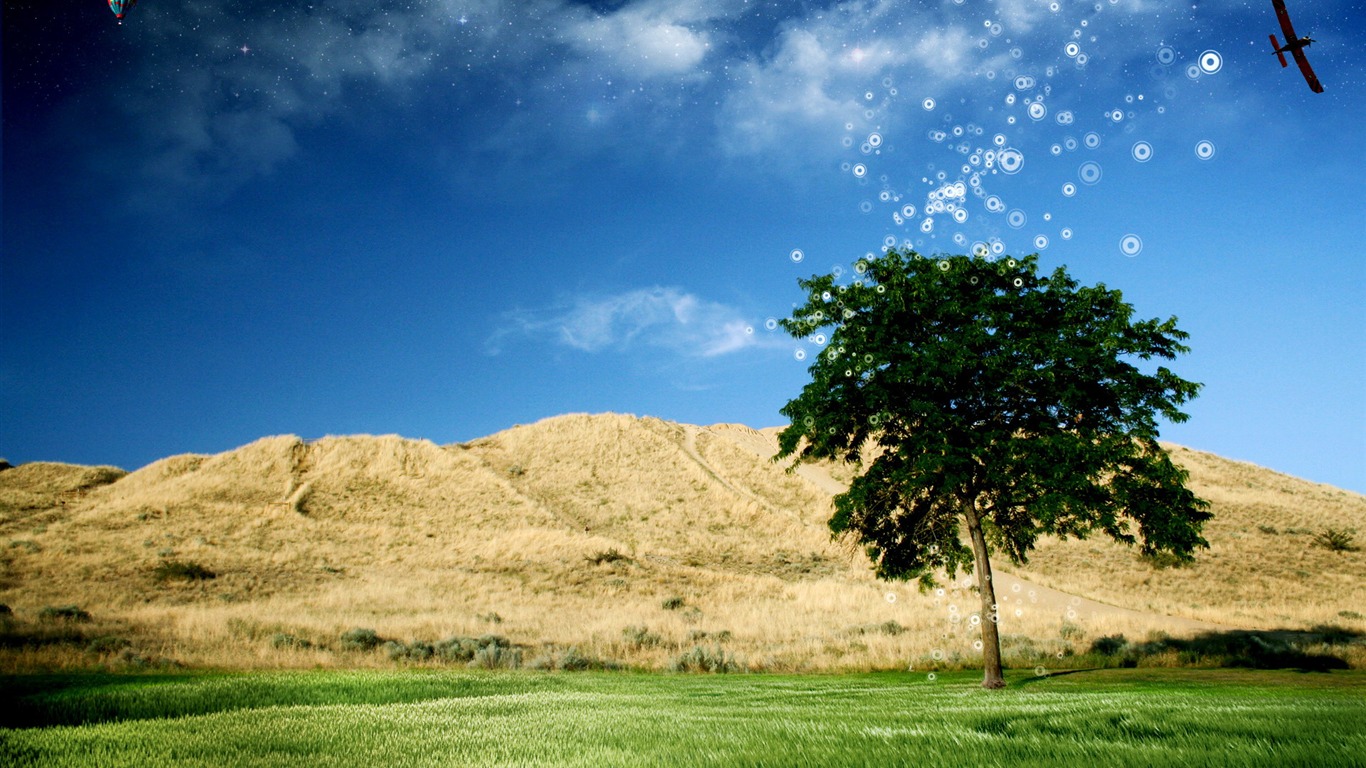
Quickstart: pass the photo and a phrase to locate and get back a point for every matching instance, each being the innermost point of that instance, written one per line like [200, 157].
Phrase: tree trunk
[991, 639]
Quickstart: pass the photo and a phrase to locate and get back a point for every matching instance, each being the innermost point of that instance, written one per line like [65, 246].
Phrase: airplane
[1294, 46]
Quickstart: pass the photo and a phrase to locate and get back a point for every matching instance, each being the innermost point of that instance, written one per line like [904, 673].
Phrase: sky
[442, 218]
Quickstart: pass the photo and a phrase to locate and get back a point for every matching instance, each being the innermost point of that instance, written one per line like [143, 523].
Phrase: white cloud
[649, 40]
[665, 318]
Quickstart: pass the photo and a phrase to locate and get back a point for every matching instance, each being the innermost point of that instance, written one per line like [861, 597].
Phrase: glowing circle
[874, 139]
[1193, 71]
[1089, 172]
[1091, 140]
[796, 255]
[1211, 62]
[860, 170]
[1069, 189]
[1142, 151]
[1130, 245]
[908, 211]
[891, 596]
[1166, 55]
[994, 204]
[1037, 111]
[1065, 117]
[1039, 671]
[1041, 242]
[1011, 160]
[1024, 82]
[1016, 218]
[928, 104]
[960, 215]
[800, 355]
[1205, 149]
[1071, 49]
[1066, 233]
[931, 677]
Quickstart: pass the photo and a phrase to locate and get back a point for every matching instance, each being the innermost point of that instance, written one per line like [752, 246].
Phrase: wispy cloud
[662, 318]
[211, 106]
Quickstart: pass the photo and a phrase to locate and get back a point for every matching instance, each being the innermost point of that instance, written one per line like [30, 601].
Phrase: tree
[979, 394]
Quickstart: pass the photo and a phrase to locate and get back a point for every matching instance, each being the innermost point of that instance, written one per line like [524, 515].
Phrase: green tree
[975, 393]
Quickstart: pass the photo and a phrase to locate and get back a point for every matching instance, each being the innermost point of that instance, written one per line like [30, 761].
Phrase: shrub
[286, 640]
[466, 649]
[107, 644]
[490, 617]
[415, 651]
[610, 556]
[1070, 631]
[720, 637]
[1109, 645]
[674, 603]
[497, 657]
[1336, 540]
[63, 613]
[641, 637]
[1349, 614]
[5, 610]
[175, 569]
[1270, 530]
[360, 639]
[1163, 560]
[702, 659]
[891, 628]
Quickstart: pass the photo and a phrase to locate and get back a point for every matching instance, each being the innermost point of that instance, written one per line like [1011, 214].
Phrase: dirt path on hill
[1029, 596]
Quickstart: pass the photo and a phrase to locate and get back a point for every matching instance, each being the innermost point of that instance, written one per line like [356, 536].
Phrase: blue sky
[441, 218]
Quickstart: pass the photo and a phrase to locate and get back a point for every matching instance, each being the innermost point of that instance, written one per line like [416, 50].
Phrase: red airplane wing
[1284, 18]
[1276, 48]
[1308, 73]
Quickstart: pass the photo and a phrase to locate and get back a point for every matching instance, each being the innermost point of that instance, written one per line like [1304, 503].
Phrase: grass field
[1133, 717]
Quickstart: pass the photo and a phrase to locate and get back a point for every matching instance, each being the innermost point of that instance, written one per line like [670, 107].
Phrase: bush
[286, 640]
[175, 569]
[1336, 540]
[360, 639]
[63, 613]
[1270, 530]
[702, 659]
[1109, 645]
[674, 603]
[891, 628]
[466, 649]
[1070, 631]
[610, 556]
[497, 657]
[641, 637]
[5, 610]
[720, 637]
[107, 644]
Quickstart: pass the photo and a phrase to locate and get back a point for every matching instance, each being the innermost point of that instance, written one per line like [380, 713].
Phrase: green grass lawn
[1119, 717]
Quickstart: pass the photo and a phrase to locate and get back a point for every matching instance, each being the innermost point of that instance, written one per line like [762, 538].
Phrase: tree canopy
[975, 390]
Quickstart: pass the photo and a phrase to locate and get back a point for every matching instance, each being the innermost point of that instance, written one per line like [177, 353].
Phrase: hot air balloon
[120, 7]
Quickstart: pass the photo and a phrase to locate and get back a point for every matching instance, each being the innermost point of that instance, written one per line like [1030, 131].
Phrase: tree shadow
[1242, 648]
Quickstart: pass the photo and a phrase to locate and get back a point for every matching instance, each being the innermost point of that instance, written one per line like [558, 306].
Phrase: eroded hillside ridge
[576, 528]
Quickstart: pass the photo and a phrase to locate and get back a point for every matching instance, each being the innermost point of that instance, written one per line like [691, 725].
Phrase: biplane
[1294, 46]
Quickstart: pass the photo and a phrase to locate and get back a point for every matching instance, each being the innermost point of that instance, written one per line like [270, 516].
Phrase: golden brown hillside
[630, 539]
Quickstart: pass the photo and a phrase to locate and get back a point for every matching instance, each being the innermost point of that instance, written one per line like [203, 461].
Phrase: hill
[625, 539]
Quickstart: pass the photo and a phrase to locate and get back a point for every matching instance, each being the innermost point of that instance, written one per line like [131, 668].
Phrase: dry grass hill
[592, 537]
